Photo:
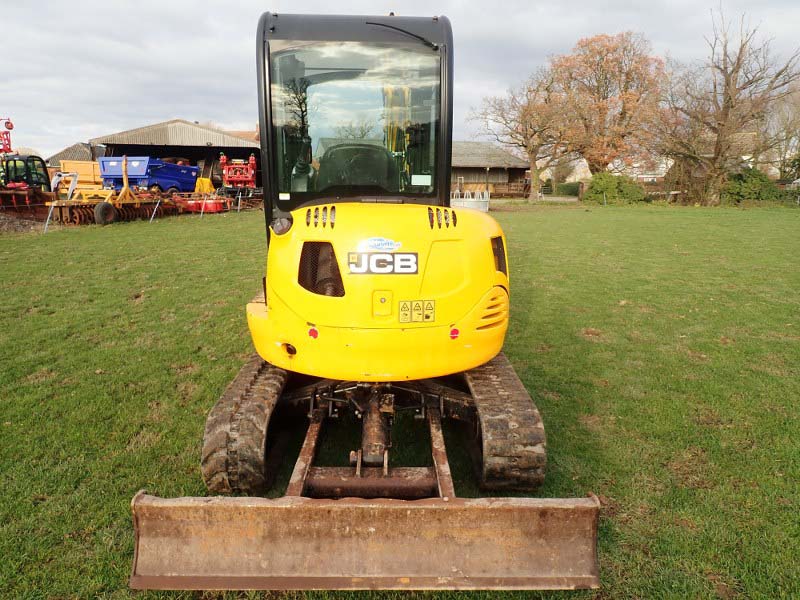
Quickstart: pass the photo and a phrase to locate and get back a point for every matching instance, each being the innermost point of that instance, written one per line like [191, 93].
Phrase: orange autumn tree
[610, 88]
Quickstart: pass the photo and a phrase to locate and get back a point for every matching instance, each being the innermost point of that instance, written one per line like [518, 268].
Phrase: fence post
[158, 203]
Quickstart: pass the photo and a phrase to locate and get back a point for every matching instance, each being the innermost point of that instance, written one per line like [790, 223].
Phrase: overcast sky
[76, 70]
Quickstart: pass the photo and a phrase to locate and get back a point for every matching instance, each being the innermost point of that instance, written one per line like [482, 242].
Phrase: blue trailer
[147, 173]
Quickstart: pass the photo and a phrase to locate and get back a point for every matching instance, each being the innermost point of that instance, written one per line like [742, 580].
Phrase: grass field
[661, 345]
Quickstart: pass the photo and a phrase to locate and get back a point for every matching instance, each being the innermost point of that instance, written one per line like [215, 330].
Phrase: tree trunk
[535, 182]
[716, 179]
[596, 167]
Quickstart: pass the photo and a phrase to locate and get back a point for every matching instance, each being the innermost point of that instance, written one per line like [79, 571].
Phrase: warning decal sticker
[417, 311]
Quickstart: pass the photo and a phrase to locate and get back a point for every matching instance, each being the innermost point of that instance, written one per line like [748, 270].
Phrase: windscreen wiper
[424, 40]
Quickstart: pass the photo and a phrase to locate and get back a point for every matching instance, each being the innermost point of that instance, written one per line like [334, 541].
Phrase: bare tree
[296, 103]
[355, 130]
[714, 111]
[528, 118]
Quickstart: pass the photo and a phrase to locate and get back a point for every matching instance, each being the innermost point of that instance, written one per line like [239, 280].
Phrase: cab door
[37, 174]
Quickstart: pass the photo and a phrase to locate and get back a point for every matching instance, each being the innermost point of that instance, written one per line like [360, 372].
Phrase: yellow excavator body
[426, 297]
[385, 310]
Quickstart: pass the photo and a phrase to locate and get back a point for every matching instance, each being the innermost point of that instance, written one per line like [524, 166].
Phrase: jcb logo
[400, 263]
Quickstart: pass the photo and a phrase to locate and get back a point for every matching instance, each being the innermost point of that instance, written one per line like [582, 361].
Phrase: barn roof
[176, 132]
[79, 151]
[485, 154]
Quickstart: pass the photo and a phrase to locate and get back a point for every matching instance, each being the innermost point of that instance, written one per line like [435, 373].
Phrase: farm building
[78, 151]
[199, 144]
[474, 164]
[478, 164]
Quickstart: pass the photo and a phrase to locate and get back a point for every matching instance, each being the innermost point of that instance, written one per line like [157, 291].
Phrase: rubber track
[234, 443]
[513, 443]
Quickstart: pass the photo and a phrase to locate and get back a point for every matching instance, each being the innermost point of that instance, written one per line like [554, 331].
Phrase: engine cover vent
[319, 271]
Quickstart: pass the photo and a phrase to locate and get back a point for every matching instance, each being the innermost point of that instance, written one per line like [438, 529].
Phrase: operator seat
[357, 164]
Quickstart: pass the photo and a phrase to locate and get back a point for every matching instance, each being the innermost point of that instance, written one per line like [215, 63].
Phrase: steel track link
[512, 443]
[234, 444]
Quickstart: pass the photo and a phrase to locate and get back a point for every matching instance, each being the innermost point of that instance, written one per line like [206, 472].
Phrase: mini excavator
[380, 303]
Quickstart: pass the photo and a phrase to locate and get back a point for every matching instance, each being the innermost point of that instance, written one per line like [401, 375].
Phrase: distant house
[476, 165]
[573, 169]
[644, 170]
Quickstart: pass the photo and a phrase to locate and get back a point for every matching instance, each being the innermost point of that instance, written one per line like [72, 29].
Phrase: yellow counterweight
[383, 292]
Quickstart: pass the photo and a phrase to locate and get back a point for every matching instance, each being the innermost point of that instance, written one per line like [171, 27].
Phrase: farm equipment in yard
[238, 176]
[81, 178]
[381, 305]
[24, 182]
[202, 202]
[104, 206]
[148, 174]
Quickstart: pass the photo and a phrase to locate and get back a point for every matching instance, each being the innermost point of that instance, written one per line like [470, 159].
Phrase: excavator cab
[381, 305]
[357, 118]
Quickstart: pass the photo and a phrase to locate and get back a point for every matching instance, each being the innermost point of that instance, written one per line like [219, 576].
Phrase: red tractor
[24, 180]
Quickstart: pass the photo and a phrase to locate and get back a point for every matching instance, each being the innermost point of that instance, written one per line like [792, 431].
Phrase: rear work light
[282, 224]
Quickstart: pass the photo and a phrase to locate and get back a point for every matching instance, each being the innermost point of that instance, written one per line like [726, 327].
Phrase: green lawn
[662, 346]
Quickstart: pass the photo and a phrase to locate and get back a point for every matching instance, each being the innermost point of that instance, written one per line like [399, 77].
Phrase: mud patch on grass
[593, 423]
[697, 356]
[40, 376]
[593, 335]
[185, 370]
[772, 364]
[143, 439]
[609, 507]
[187, 391]
[785, 337]
[14, 225]
[690, 469]
[641, 512]
[205, 317]
[155, 411]
[722, 587]
[708, 417]
[686, 523]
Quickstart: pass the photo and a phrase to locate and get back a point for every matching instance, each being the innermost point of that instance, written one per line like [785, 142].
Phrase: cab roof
[279, 26]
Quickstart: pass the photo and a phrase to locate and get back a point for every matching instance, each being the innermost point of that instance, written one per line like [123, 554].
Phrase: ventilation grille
[321, 216]
[495, 313]
[442, 217]
[499, 251]
[319, 271]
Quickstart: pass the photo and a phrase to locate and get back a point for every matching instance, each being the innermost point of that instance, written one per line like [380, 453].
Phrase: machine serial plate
[417, 311]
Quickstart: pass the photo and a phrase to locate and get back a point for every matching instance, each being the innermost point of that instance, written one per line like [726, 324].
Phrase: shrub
[617, 188]
[568, 189]
[751, 184]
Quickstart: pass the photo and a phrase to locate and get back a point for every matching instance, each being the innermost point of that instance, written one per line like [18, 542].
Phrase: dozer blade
[306, 543]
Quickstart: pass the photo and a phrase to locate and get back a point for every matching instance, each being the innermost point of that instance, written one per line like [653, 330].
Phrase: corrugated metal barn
[199, 144]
